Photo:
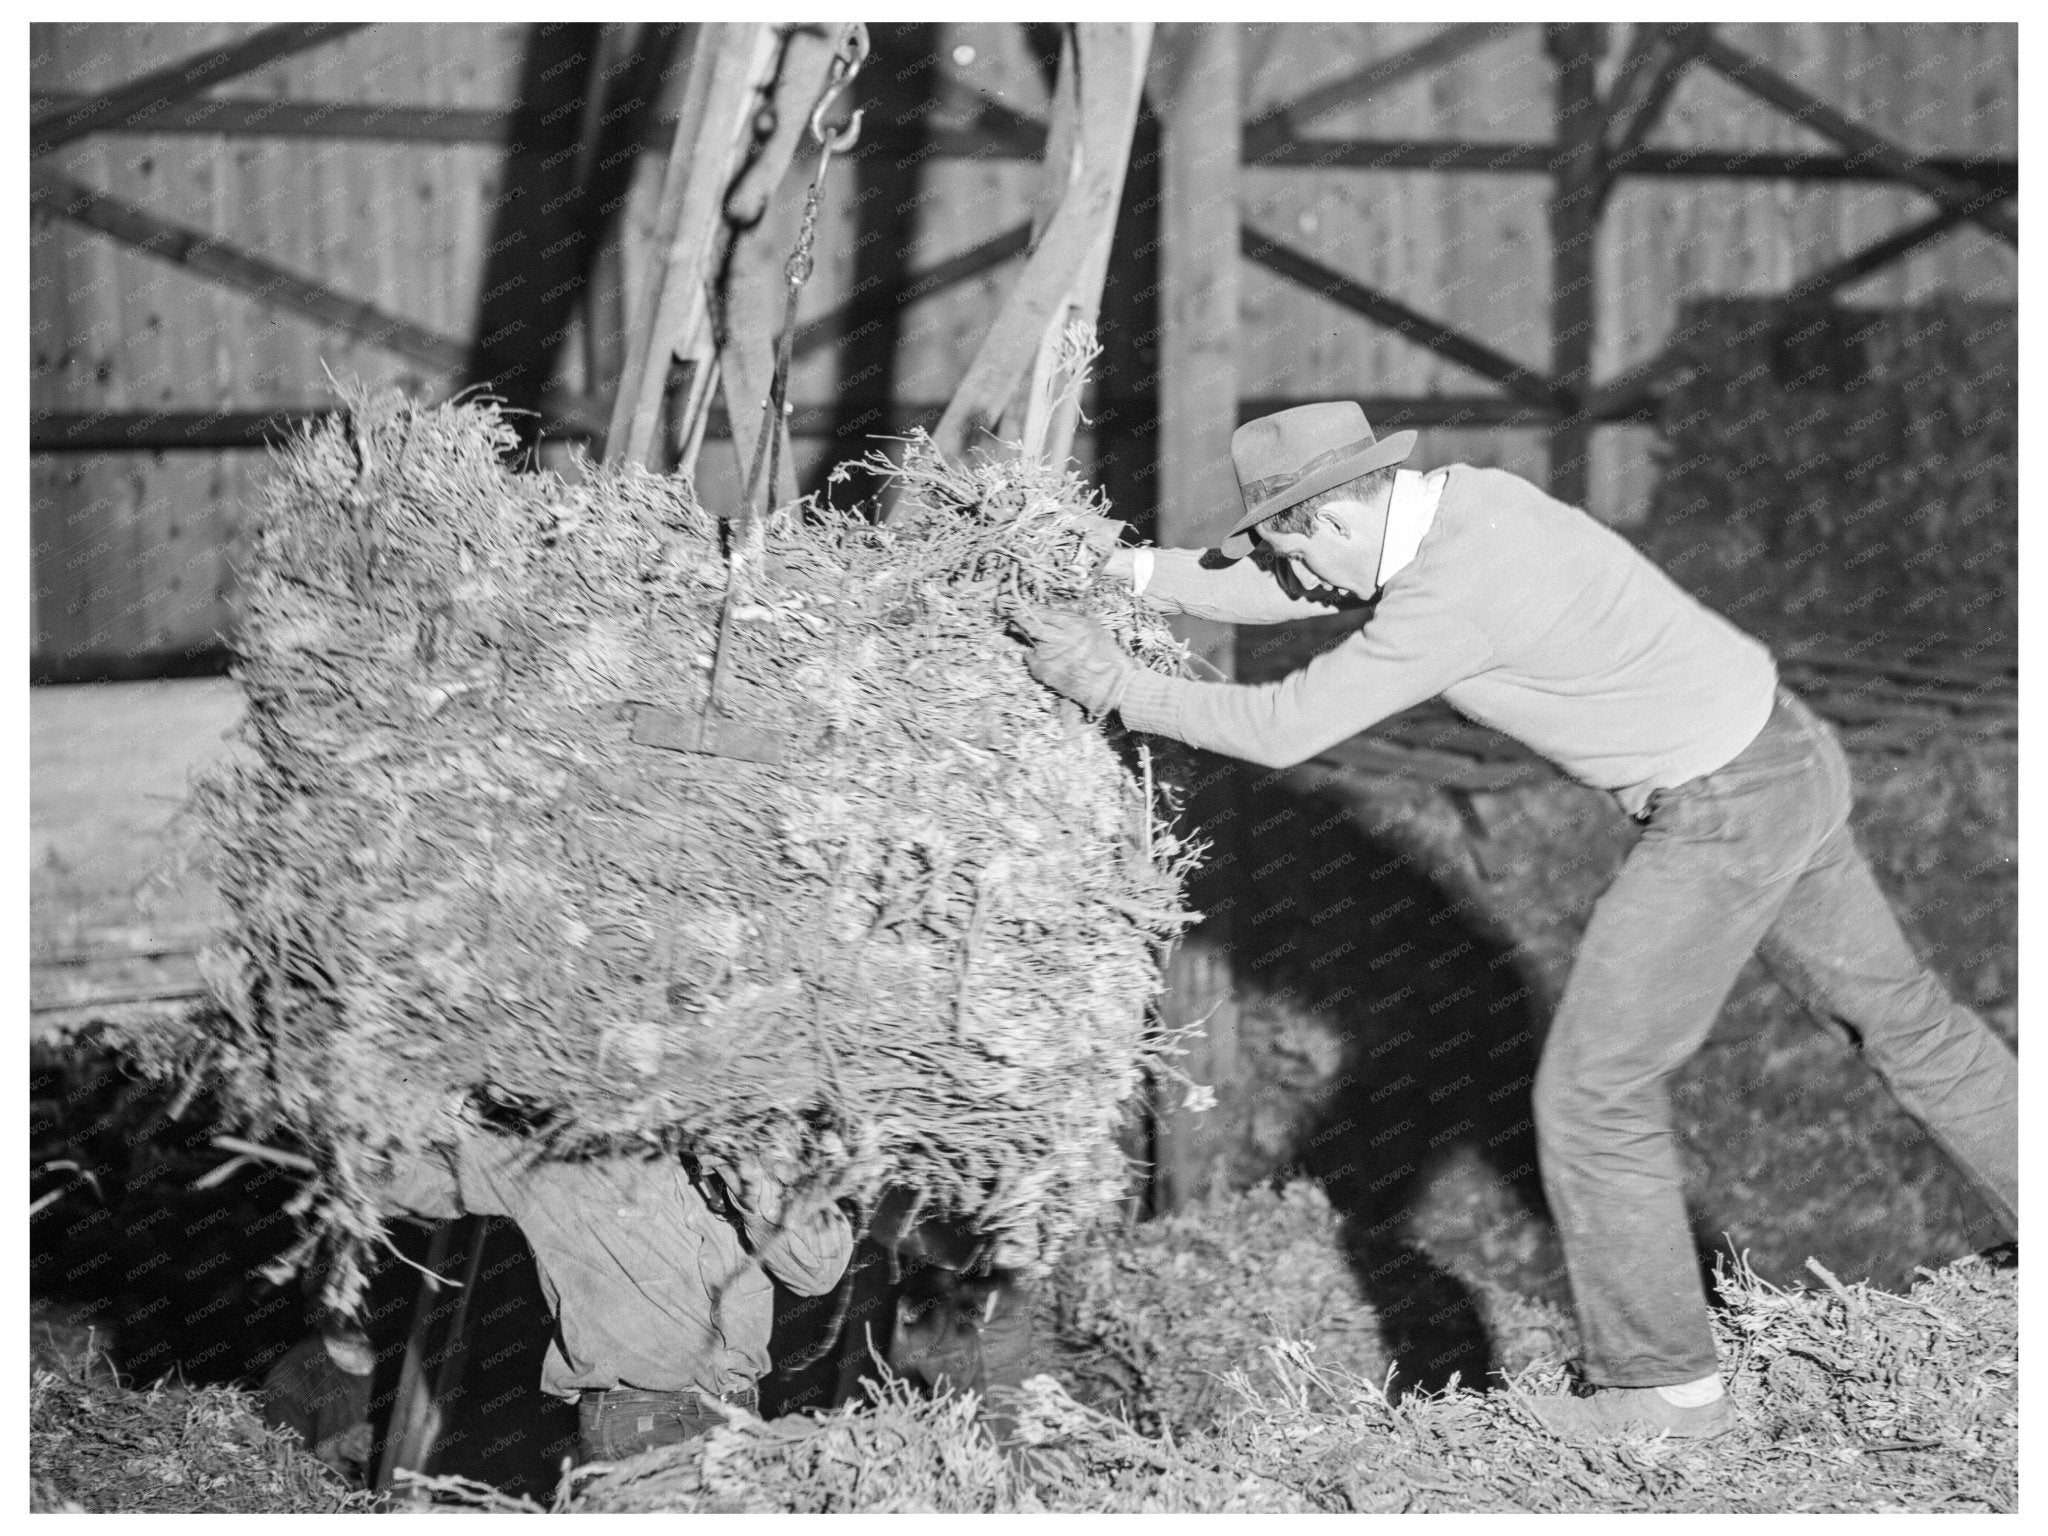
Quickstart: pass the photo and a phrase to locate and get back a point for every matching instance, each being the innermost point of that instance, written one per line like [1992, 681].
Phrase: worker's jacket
[650, 1288]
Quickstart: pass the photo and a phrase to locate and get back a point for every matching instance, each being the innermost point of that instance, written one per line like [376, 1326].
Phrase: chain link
[846, 63]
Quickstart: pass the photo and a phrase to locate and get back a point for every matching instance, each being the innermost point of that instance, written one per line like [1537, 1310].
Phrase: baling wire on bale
[918, 951]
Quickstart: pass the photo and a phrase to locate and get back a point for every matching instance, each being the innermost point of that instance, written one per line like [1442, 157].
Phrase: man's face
[1335, 552]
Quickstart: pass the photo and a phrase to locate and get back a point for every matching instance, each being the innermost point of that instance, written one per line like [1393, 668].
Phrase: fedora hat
[1295, 454]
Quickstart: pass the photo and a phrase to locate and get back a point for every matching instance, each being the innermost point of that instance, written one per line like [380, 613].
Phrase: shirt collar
[1410, 511]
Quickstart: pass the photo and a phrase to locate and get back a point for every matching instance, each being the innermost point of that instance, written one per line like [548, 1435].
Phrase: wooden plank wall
[1471, 248]
[133, 552]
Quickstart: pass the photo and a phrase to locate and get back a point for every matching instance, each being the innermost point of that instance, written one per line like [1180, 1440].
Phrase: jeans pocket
[1691, 812]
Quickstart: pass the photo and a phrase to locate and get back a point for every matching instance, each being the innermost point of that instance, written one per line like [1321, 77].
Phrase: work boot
[1610, 1412]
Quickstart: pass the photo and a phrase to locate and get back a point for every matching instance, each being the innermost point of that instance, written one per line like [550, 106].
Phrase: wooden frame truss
[1586, 168]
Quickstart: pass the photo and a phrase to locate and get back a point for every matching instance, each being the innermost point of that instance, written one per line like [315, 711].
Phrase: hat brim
[1387, 451]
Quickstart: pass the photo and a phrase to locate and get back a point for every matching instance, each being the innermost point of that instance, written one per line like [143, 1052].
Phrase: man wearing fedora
[1533, 618]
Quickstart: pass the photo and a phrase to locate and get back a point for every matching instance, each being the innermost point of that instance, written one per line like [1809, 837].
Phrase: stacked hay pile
[919, 949]
[1155, 1323]
[96, 1446]
[1841, 468]
[1851, 1399]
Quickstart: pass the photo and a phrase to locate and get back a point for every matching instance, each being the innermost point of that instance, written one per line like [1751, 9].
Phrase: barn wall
[134, 551]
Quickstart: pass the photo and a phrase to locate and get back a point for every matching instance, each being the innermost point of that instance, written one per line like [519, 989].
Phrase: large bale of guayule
[918, 949]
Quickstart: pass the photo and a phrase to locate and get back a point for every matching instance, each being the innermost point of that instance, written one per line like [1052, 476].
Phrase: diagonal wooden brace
[729, 66]
[1063, 276]
[1800, 104]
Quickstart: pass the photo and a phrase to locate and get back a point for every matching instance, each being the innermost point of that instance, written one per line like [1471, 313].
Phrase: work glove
[763, 1186]
[1100, 534]
[1075, 656]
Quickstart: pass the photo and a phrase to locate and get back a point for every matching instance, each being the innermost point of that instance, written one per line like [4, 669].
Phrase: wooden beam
[179, 82]
[1196, 86]
[1057, 50]
[857, 314]
[217, 261]
[1106, 67]
[435, 1351]
[1765, 83]
[256, 117]
[1072, 246]
[1018, 137]
[1860, 264]
[1523, 382]
[1515, 158]
[728, 66]
[565, 416]
[1277, 125]
[634, 59]
[1574, 245]
[1658, 59]
[123, 431]
[754, 294]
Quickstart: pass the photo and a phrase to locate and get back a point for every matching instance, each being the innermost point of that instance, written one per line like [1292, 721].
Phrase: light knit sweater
[1524, 613]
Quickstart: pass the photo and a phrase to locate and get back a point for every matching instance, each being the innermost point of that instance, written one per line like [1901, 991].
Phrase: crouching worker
[963, 1313]
[1529, 616]
[662, 1304]
[320, 1390]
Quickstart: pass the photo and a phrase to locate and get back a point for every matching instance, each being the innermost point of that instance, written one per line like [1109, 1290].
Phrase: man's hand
[1100, 534]
[762, 1186]
[1075, 656]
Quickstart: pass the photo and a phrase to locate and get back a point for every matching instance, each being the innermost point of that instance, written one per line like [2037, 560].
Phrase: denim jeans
[1755, 857]
[624, 1421]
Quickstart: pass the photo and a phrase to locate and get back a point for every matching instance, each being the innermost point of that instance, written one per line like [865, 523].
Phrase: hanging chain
[748, 537]
[852, 54]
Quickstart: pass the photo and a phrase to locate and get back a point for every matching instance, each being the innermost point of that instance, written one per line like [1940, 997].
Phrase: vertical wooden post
[436, 1349]
[728, 65]
[1575, 48]
[1197, 89]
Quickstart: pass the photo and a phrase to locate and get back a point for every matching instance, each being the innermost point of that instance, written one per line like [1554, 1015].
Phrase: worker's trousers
[1756, 857]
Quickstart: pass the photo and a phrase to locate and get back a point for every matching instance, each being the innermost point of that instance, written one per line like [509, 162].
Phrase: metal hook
[853, 53]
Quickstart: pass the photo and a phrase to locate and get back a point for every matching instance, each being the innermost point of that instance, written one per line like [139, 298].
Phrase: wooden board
[111, 917]
[134, 552]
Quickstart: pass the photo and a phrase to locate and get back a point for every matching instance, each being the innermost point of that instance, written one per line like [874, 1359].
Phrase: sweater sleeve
[1201, 583]
[1410, 650]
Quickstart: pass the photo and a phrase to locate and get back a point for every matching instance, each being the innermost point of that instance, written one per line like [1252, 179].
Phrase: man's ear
[1326, 519]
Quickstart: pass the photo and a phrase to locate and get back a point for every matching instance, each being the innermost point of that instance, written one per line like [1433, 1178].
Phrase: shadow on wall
[1390, 1030]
